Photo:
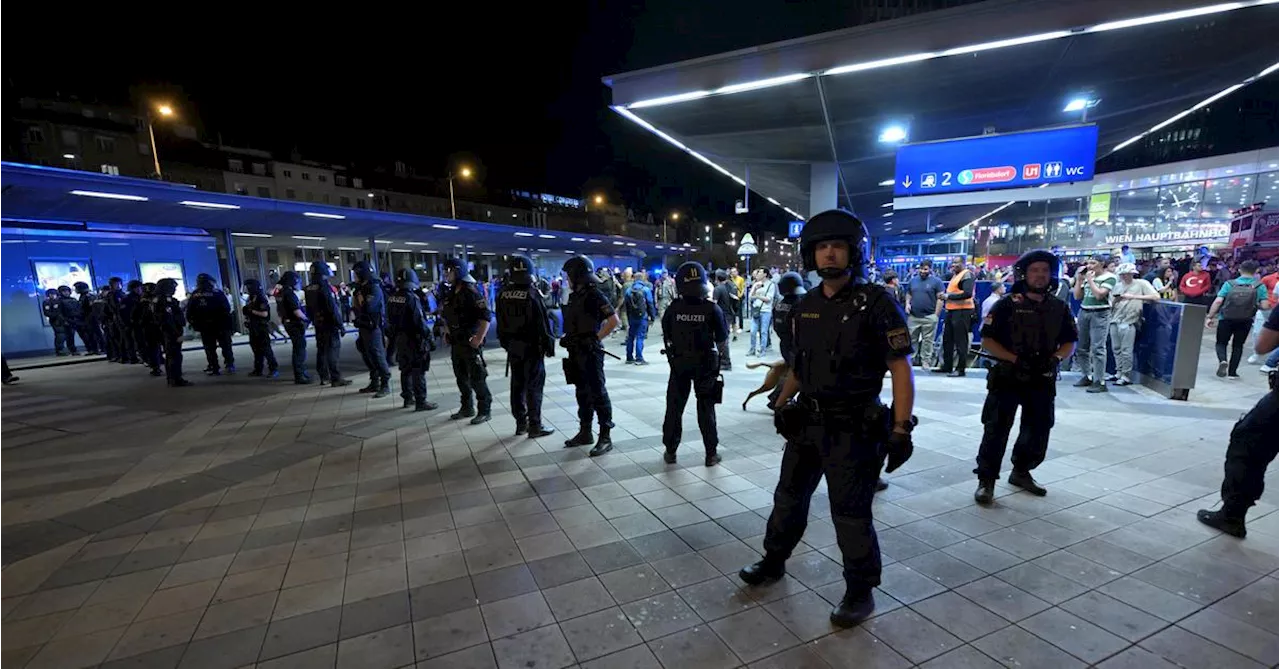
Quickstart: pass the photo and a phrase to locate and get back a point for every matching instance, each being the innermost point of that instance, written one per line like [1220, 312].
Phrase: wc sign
[794, 228]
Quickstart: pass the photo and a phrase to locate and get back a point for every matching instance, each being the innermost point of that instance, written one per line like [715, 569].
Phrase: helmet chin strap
[833, 272]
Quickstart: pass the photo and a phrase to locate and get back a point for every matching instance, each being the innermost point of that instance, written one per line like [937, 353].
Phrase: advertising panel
[53, 273]
[152, 272]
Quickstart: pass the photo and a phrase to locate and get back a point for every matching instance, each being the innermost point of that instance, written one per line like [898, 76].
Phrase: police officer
[325, 314]
[257, 318]
[209, 312]
[146, 328]
[125, 303]
[72, 318]
[407, 325]
[848, 332]
[693, 330]
[524, 333]
[90, 328]
[53, 314]
[1030, 331]
[466, 320]
[100, 304]
[370, 312]
[589, 318]
[116, 322]
[294, 320]
[171, 324]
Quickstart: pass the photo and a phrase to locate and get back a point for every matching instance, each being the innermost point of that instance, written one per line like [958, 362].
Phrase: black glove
[900, 450]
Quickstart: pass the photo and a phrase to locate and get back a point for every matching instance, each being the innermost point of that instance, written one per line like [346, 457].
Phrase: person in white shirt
[760, 302]
[997, 292]
[1127, 298]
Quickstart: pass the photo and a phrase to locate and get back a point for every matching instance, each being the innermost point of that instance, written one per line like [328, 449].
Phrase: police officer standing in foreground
[117, 321]
[325, 314]
[524, 333]
[72, 317]
[91, 319]
[294, 321]
[257, 317]
[847, 334]
[589, 318]
[466, 317]
[146, 327]
[209, 312]
[368, 304]
[171, 323]
[1030, 331]
[126, 303]
[693, 331]
[407, 325]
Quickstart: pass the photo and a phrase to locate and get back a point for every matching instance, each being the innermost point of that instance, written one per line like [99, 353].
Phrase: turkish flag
[1194, 284]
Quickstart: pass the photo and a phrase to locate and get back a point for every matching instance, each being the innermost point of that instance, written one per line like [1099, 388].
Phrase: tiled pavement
[241, 523]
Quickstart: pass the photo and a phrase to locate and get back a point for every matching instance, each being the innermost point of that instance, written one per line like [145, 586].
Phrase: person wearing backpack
[1238, 300]
[640, 309]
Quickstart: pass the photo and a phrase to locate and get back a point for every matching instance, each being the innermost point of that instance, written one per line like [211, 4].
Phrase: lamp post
[465, 173]
[675, 216]
[166, 111]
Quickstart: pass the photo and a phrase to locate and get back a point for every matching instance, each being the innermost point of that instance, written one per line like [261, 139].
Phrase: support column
[233, 283]
[824, 187]
[373, 256]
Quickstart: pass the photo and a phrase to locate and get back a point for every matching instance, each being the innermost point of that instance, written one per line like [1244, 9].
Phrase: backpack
[636, 303]
[1241, 302]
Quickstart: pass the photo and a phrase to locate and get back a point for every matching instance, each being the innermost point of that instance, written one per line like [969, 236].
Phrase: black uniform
[407, 325]
[325, 314]
[782, 312]
[586, 310]
[842, 347]
[123, 306]
[72, 318]
[260, 333]
[524, 333]
[91, 310]
[692, 331]
[146, 328]
[171, 324]
[1032, 330]
[286, 306]
[464, 309]
[370, 314]
[52, 307]
[209, 312]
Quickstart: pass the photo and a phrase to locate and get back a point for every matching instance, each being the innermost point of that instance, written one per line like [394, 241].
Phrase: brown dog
[777, 372]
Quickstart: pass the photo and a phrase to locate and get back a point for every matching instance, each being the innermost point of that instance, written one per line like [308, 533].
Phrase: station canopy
[767, 113]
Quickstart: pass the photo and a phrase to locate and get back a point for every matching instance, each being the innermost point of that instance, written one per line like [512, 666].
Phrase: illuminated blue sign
[794, 228]
[1013, 160]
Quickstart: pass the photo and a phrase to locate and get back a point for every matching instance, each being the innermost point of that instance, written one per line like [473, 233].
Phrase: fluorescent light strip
[109, 196]
[547, 236]
[886, 205]
[616, 243]
[208, 205]
[544, 250]
[773, 201]
[577, 239]
[631, 243]
[250, 234]
[444, 226]
[316, 214]
[594, 241]
[113, 243]
[886, 182]
[669, 99]
[350, 248]
[524, 234]
[1000, 44]
[416, 243]
[383, 241]
[310, 239]
[402, 250]
[1167, 16]
[762, 83]
[303, 246]
[883, 62]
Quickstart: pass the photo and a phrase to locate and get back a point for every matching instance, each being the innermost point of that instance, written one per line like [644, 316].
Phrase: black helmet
[407, 278]
[204, 281]
[362, 270]
[166, 287]
[791, 283]
[1024, 263]
[320, 270]
[580, 270]
[289, 279]
[691, 280]
[81, 287]
[829, 225]
[134, 285]
[64, 289]
[521, 270]
[456, 265]
[252, 286]
[115, 281]
[50, 292]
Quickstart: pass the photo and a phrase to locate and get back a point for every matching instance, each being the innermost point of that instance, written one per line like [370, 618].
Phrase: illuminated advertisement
[53, 273]
[304, 268]
[151, 272]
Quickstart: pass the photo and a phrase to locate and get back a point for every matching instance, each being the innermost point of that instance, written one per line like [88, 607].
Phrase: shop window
[360, 203]
[273, 257]
[357, 182]
[113, 170]
[339, 180]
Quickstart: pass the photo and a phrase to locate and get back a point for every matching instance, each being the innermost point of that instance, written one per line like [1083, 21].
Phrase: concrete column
[233, 283]
[824, 187]
[373, 260]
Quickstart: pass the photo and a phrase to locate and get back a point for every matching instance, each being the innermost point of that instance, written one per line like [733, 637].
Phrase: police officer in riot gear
[848, 333]
[209, 312]
[1030, 331]
[115, 323]
[466, 320]
[790, 289]
[125, 303]
[90, 319]
[589, 318]
[325, 314]
[367, 303]
[407, 325]
[52, 307]
[524, 333]
[693, 331]
[294, 320]
[171, 322]
[146, 327]
[257, 318]
[72, 318]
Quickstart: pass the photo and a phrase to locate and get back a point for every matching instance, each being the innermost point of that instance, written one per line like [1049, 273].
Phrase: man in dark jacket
[209, 313]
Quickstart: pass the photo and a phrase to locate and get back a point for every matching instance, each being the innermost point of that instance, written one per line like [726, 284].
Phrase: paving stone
[545, 648]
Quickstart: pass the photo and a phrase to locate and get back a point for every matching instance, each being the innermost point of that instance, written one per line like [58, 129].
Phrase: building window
[35, 135]
[236, 165]
[264, 191]
[290, 194]
[288, 174]
[344, 201]
[322, 178]
[311, 197]
[70, 138]
[324, 197]
[106, 144]
[339, 180]
[113, 170]
[357, 182]
[239, 188]
[360, 203]
[306, 176]
[259, 169]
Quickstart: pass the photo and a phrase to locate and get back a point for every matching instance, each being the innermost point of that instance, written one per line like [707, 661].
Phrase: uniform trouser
[413, 360]
[852, 468]
[128, 341]
[701, 376]
[298, 338]
[69, 337]
[1251, 449]
[328, 347]
[260, 343]
[1036, 400]
[470, 372]
[761, 323]
[373, 348]
[957, 333]
[149, 346]
[1233, 332]
[923, 330]
[110, 343]
[528, 377]
[1091, 350]
[60, 338]
[1123, 337]
[91, 335]
[214, 339]
[636, 335]
[172, 357]
[593, 398]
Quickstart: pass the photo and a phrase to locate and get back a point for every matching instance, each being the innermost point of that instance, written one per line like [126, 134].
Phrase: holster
[570, 371]
[717, 393]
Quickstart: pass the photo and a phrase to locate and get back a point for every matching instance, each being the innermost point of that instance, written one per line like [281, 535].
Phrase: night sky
[515, 87]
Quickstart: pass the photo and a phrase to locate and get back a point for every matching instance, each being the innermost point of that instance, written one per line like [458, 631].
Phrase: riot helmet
[166, 287]
[580, 270]
[253, 286]
[833, 224]
[204, 282]
[148, 290]
[407, 278]
[362, 271]
[115, 282]
[289, 280]
[1023, 265]
[790, 284]
[520, 270]
[81, 287]
[691, 280]
[460, 270]
[134, 285]
[64, 291]
[320, 271]
[51, 293]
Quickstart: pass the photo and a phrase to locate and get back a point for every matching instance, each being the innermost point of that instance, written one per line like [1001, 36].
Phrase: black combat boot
[408, 401]
[425, 406]
[464, 412]
[384, 389]
[604, 444]
[582, 438]
[482, 417]
[986, 491]
[669, 455]
[1023, 480]
[339, 383]
[537, 429]
[764, 571]
[713, 458]
[854, 608]
[522, 426]
[1219, 520]
[373, 385]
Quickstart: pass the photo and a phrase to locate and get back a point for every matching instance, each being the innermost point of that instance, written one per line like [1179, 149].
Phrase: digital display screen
[53, 273]
[1013, 160]
[151, 272]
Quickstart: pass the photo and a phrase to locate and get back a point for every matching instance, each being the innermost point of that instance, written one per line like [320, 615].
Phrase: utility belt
[869, 420]
[842, 408]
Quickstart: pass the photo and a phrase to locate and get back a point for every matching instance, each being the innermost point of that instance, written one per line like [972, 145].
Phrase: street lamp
[599, 199]
[675, 216]
[465, 173]
[165, 111]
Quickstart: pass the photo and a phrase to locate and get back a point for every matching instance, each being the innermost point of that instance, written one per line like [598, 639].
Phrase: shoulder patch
[899, 338]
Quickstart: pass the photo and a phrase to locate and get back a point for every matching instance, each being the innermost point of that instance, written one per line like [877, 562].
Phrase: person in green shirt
[1092, 286]
[1238, 301]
